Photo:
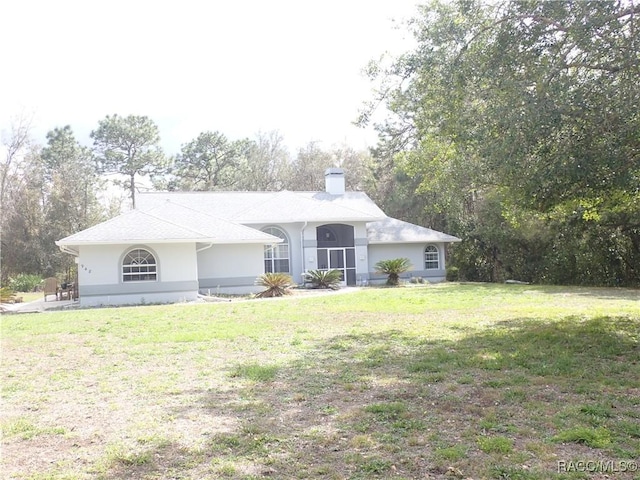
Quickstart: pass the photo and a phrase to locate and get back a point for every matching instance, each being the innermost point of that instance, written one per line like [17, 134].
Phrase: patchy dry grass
[446, 381]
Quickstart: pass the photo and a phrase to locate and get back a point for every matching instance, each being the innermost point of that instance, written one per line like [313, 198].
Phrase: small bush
[453, 274]
[277, 284]
[393, 268]
[7, 295]
[324, 278]
[25, 282]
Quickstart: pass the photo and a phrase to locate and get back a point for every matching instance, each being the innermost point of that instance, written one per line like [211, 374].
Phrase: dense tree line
[514, 125]
[52, 191]
[47, 192]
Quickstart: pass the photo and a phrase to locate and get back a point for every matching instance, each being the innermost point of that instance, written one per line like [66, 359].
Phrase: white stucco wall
[98, 265]
[414, 252]
[230, 268]
[100, 275]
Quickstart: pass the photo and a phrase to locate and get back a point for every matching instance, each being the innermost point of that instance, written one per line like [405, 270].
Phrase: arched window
[431, 258]
[276, 257]
[139, 265]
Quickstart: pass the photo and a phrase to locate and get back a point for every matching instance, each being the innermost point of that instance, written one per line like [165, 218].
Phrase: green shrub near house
[393, 268]
[7, 295]
[25, 282]
[276, 284]
[324, 278]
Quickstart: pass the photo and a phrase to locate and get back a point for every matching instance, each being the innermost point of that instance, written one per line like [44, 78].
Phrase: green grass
[592, 437]
[387, 411]
[424, 381]
[498, 444]
[26, 429]
[450, 454]
[125, 456]
[255, 372]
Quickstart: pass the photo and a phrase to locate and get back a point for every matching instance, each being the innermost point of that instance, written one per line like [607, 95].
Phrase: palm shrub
[276, 284]
[324, 278]
[7, 295]
[393, 268]
[24, 282]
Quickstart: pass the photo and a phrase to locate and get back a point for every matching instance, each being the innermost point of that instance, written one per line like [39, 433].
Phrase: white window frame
[274, 253]
[431, 256]
[139, 266]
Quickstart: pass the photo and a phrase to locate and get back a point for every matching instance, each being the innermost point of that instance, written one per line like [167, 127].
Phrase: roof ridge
[207, 192]
[171, 222]
[349, 207]
[200, 212]
[109, 220]
[207, 214]
[252, 207]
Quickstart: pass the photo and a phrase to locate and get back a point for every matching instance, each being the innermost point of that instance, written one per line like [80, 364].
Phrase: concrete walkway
[52, 304]
[38, 306]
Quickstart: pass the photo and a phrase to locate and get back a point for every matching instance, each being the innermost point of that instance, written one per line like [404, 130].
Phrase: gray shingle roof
[272, 207]
[391, 230]
[222, 217]
[167, 222]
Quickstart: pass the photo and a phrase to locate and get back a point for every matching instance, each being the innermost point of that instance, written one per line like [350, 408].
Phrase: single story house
[176, 245]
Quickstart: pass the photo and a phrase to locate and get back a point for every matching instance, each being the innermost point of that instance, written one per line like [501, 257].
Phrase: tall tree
[358, 166]
[306, 171]
[21, 219]
[16, 144]
[266, 163]
[71, 193]
[23, 225]
[533, 105]
[210, 162]
[128, 146]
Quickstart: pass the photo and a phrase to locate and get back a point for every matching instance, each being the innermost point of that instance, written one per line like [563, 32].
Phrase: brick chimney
[334, 181]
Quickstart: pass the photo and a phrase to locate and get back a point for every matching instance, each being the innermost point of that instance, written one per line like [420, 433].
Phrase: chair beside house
[50, 287]
[66, 291]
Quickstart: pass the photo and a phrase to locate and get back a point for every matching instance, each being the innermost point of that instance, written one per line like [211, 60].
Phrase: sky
[235, 66]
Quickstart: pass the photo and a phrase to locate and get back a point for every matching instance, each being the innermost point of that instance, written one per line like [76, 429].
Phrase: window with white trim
[139, 265]
[276, 257]
[431, 258]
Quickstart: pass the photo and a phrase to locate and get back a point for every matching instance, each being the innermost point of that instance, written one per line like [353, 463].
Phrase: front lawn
[427, 381]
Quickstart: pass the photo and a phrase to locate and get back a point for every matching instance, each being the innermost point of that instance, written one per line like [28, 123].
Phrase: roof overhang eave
[249, 242]
[324, 220]
[430, 240]
[217, 241]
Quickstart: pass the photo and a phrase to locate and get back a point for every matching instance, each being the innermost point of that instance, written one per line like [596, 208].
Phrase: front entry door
[337, 262]
[341, 259]
[336, 250]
